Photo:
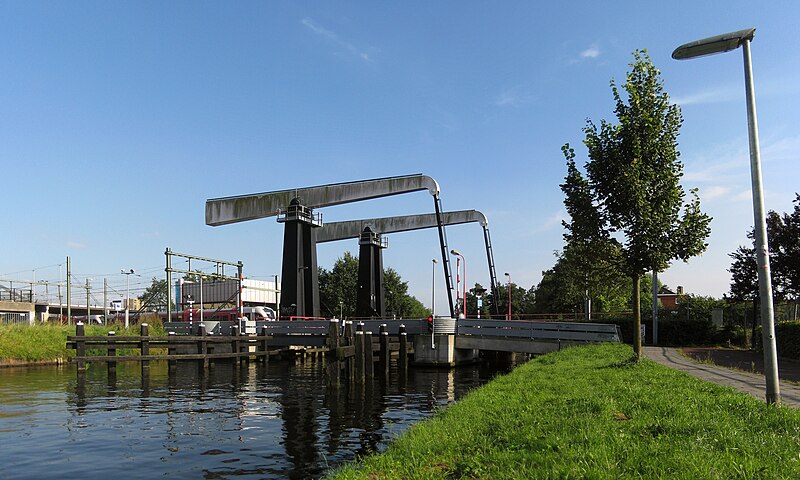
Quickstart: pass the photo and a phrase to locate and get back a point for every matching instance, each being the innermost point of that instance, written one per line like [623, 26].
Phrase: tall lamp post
[719, 44]
[463, 282]
[127, 291]
[508, 287]
[433, 302]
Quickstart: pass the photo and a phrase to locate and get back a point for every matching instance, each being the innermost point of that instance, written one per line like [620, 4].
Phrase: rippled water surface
[282, 420]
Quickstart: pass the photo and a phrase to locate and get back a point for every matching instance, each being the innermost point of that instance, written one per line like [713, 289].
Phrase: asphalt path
[751, 383]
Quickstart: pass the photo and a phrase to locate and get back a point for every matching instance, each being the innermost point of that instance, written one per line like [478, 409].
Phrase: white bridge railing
[521, 329]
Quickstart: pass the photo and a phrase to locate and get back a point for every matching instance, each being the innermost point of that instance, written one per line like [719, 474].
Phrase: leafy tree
[398, 301]
[154, 296]
[337, 288]
[632, 197]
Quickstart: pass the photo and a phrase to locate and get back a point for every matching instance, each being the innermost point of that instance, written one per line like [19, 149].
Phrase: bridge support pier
[445, 354]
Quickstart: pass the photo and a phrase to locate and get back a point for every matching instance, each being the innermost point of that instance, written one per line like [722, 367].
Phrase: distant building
[669, 299]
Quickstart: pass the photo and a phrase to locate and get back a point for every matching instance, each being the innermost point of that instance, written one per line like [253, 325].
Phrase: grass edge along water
[594, 412]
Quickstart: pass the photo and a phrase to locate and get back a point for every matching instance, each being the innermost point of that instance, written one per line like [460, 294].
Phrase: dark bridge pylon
[335, 231]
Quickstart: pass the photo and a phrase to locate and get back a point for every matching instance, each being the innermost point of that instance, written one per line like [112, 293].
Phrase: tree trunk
[637, 317]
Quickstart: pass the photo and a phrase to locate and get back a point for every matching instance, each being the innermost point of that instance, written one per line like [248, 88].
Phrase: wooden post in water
[369, 364]
[112, 352]
[349, 339]
[383, 363]
[144, 346]
[402, 359]
[235, 345]
[171, 350]
[80, 346]
[263, 345]
[333, 334]
[358, 358]
[202, 346]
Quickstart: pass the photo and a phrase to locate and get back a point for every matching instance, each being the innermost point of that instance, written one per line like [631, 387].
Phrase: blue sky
[118, 120]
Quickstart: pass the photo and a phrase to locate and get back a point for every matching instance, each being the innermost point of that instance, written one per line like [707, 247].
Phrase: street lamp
[464, 281]
[719, 44]
[508, 287]
[127, 291]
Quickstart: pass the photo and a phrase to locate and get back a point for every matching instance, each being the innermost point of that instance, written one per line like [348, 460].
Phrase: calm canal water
[282, 420]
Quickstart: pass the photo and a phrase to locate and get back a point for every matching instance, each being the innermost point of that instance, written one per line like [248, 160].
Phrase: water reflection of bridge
[277, 420]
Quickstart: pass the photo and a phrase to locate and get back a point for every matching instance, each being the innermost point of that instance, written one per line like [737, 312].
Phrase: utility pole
[88, 308]
[105, 301]
[69, 299]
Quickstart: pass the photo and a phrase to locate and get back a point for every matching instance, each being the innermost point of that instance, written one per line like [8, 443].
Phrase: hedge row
[676, 332]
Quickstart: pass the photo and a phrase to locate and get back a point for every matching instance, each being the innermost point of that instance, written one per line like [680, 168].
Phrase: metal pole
[69, 298]
[433, 302]
[105, 301]
[201, 299]
[169, 285]
[655, 307]
[88, 309]
[240, 306]
[127, 298]
[773, 394]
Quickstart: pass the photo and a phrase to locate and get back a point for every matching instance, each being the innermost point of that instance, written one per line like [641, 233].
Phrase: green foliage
[338, 287]
[633, 188]
[783, 237]
[155, 296]
[47, 343]
[592, 412]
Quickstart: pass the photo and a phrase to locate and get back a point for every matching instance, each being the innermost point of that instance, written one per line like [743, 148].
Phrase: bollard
[263, 345]
[333, 334]
[369, 365]
[348, 332]
[144, 346]
[402, 359]
[112, 352]
[235, 345]
[202, 346]
[358, 358]
[171, 351]
[383, 362]
[80, 346]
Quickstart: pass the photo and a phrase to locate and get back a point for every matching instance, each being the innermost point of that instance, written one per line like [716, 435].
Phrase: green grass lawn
[48, 342]
[591, 412]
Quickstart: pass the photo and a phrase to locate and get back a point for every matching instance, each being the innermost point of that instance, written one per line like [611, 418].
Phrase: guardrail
[521, 329]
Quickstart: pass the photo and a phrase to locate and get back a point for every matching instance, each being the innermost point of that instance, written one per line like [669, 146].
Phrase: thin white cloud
[592, 52]
[74, 244]
[715, 191]
[332, 37]
[513, 97]
[715, 95]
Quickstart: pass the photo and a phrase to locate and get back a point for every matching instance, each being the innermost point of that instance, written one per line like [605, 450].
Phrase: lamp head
[712, 45]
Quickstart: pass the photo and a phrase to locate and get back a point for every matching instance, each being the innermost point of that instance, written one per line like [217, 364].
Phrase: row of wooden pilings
[350, 349]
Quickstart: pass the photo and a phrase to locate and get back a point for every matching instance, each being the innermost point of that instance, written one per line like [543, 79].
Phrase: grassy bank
[590, 412]
[48, 342]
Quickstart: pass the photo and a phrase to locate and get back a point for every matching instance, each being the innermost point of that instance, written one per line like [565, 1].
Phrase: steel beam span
[222, 211]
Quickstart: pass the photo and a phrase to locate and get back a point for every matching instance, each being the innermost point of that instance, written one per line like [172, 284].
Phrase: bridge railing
[564, 331]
